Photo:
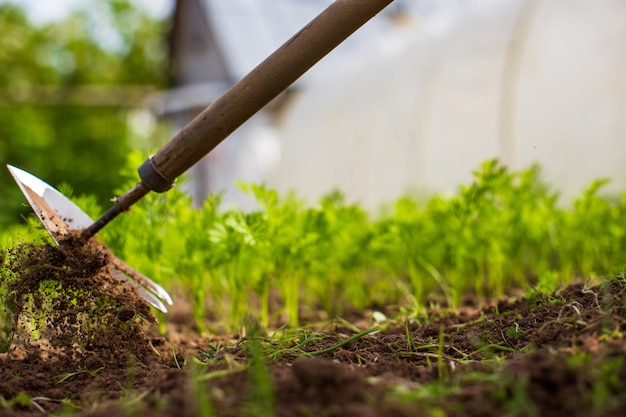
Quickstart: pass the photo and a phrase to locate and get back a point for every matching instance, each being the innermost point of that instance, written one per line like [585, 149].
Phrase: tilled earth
[559, 354]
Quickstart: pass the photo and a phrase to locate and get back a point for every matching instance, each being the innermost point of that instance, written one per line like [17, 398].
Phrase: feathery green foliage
[504, 230]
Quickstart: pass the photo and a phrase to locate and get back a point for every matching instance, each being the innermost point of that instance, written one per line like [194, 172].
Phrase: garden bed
[537, 354]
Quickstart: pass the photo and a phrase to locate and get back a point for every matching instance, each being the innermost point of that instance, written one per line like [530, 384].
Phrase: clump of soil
[72, 305]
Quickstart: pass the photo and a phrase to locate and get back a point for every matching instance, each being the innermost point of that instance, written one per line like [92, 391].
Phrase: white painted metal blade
[60, 215]
[57, 213]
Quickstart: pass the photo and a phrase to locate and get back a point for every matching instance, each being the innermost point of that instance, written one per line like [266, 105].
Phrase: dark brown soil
[541, 355]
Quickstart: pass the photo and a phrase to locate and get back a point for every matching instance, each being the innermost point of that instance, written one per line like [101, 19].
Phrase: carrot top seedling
[501, 231]
[504, 230]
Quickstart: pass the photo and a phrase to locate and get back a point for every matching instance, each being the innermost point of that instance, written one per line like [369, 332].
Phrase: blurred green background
[67, 92]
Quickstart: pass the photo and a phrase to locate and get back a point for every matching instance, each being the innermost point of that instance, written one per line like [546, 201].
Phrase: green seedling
[514, 332]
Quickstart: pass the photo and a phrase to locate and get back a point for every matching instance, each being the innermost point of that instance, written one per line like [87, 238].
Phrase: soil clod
[70, 302]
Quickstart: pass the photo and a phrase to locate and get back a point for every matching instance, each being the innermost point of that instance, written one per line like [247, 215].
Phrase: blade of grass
[342, 343]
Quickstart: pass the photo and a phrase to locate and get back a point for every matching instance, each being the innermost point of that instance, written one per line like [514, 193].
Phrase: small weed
[515, 332]
[291, 343]
[212, 352]
[342, 343]
[71, 375]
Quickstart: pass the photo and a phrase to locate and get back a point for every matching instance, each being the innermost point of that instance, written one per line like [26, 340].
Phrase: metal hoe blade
[60, 216]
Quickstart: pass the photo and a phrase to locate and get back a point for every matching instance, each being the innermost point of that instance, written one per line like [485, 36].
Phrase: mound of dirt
[72, 305]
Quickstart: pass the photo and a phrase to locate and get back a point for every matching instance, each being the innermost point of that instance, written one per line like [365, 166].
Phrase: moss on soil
[70, 304]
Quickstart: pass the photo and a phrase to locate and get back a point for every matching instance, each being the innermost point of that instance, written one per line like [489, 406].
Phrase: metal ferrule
[153, 178]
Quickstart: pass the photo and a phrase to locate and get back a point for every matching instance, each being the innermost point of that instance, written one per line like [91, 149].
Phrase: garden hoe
[63, 218]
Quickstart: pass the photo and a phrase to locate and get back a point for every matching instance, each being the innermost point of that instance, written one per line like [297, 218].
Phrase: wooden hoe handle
[245, 98]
